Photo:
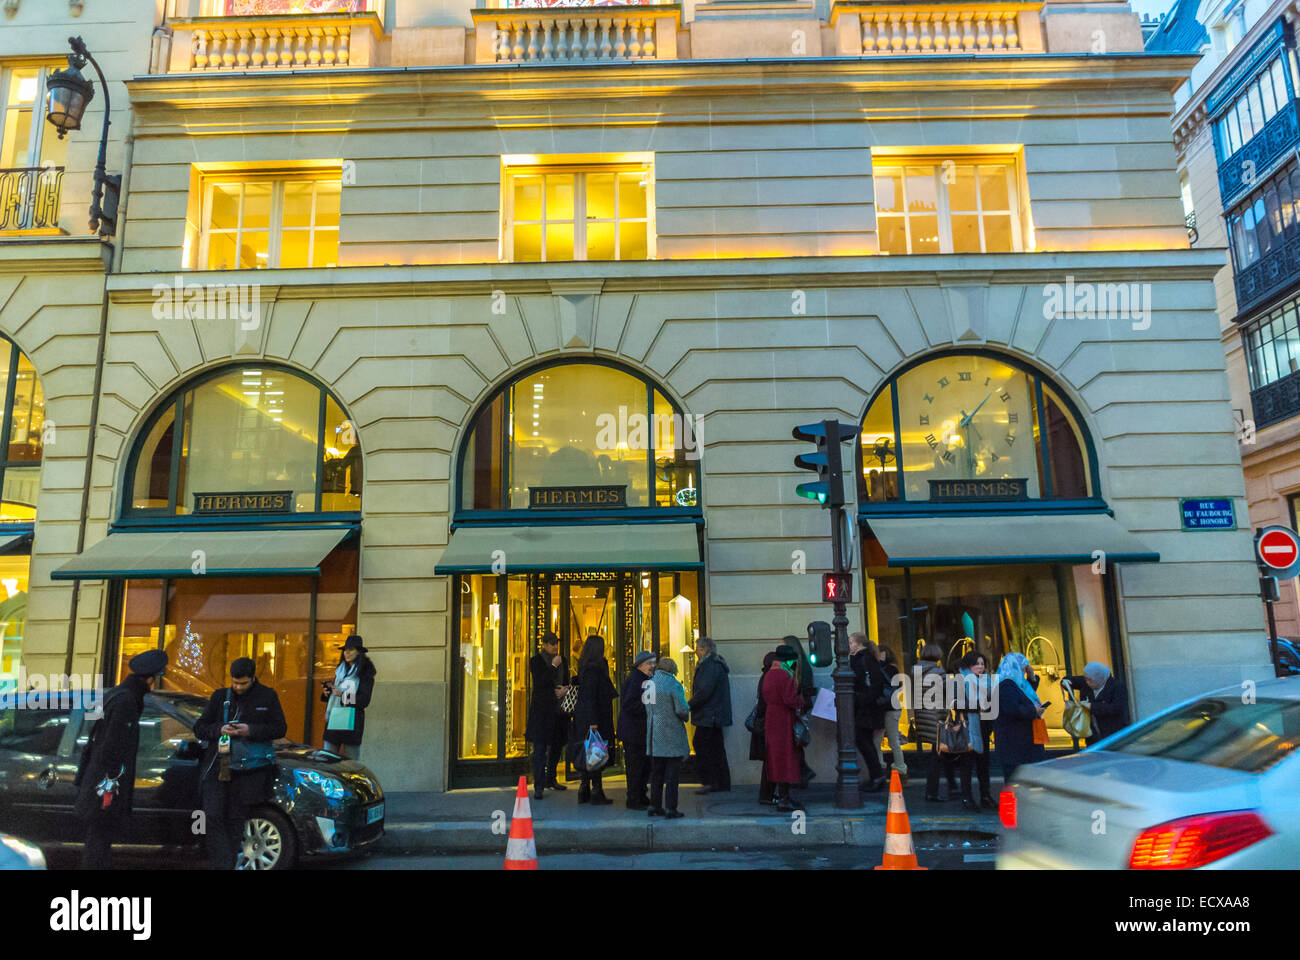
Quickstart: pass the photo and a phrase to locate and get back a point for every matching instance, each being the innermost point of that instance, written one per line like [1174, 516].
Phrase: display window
[23, 432]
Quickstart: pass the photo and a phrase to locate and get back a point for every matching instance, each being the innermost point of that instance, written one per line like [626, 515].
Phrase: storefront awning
[226, 553]
[963, 541]
[534, 549]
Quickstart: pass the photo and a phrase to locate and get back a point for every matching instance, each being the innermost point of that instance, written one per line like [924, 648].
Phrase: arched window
[971, 416]
[266, 435]
[23, 430]
[571, 427]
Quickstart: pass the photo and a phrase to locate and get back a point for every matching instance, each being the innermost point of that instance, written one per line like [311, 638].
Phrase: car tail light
[1195, 841]
[1007, 809]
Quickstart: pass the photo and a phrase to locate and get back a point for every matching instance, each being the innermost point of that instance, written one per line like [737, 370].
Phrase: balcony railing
[576, 34]
[29, 198]
[1243, 171]
[1192, 234]
[1273, 272]
[305, 42]
[892, 29]
[1276, 401]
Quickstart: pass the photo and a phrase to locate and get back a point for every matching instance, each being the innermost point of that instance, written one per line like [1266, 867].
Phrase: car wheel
[269, 842]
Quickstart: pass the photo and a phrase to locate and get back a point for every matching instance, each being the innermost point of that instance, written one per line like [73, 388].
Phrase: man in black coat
[107, 768]
[543, 730]
[1108, 697]
[868, 714]
[247, 710]
[632, 729]
[711, 714]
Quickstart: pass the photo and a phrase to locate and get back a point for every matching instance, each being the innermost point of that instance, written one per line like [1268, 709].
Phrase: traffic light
[826, 462]
[837, 588]
[821, 643]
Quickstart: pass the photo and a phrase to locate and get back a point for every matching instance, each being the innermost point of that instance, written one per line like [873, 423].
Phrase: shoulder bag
[570, 701]
[1077, 716]
[954, 734]
[246, 754]
[802, 732]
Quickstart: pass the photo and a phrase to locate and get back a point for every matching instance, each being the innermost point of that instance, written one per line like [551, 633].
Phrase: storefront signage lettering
[272, 501]
[562, 498]
[1208, 514]
[1016, 488]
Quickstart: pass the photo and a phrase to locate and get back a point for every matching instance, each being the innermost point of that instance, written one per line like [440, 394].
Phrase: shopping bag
[1077, 715]
[596, 752]
[1040, 730]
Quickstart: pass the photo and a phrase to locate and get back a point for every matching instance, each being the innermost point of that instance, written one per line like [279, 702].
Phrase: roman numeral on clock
[1004, 397]
[1011, 438]
[925, 420]
[930, 439]
[1013, 418]
[963, 375]
[943, 382]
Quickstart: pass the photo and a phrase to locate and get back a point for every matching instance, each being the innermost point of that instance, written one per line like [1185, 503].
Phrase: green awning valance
[546, 547]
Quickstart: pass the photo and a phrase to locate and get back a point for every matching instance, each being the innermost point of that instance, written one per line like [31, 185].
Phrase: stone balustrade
[894, 29]
[308, 42]
[576, 34]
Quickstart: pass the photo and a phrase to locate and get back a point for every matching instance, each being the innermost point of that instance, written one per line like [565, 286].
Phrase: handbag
[342, 718]
[1040, 731]
[1077, 716]
[802, 732]
[247, 754]
[954, 734]
[755, 723]
[570, 701]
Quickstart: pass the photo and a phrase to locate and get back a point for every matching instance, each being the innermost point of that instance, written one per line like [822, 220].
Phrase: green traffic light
[812, 491]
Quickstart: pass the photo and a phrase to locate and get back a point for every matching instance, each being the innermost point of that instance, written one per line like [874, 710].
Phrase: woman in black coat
[1108, 698]
[594, 711]
[1018, 707]
[352, 686]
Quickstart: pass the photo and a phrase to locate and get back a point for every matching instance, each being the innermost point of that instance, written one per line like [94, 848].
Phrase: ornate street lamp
[68, 95]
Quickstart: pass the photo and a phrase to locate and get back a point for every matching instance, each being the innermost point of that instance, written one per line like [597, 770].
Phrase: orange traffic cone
[521, 851]
[899, 852]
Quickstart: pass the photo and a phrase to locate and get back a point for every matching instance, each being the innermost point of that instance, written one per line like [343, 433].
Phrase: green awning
[1043, 538]
[545, 547]
[225, 553]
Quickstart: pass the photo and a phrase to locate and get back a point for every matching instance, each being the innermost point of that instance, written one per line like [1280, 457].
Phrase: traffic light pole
[847, 796]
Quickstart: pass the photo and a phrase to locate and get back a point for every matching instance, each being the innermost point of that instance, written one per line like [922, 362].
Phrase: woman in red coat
[782, 702]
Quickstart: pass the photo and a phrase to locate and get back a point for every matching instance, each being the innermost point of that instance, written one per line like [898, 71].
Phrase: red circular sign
[1278, 549]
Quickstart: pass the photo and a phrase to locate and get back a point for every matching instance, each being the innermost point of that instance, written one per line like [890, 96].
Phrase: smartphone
[1046, 704]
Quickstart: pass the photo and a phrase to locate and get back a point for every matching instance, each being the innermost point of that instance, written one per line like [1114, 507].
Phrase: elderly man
[1108, 698]
[632, 728]
[711, 714]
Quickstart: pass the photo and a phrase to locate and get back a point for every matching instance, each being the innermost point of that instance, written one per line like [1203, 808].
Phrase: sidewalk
[462, 821]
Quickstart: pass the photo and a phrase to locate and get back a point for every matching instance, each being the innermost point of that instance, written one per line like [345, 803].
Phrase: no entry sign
[1278, 551]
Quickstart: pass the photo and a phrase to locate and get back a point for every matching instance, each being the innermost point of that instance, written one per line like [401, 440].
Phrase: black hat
[642, 657]
[243, 667]
[786, 652]
[353, 643]
[148, 664]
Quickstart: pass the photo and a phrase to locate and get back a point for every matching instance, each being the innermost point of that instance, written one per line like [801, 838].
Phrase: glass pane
[994, 194]
[889, 191]
[1262, 232]
[481, 469]
[998, 237]
[336, 620]
[925, 234]
[295, 248]
[257, 205]
[528, 244]
[21, 486]
[676, 439]
[1284, 199]
[480, 626]
[297, 203]
[600, 241]
[559, 196]
[211, 622]
[1279, 83]
[14, 572]
[559, 241]
[1070, 475]
[600, 196]
[54, 152]
[341, 471]
[967, 418]
[1256, 108]
[153, 465]
[1221, 732]
[632, 189]
[25, 434]
[528, 197]
[920, 192]
[1265, 85]
[1234, 128]
[225, 206]
[254, 250]
[251, 431]
[325, 248]
[893, 235]
[14, 150]
[961, 192]
[632, 241]
[1274, 214]
[22, 85]
[221, 251]
[518, 650]
[329, 195]
[965, 233]
[141, 609]
[579, 425]
[1243, 119]
[679, 626]
[879, 480]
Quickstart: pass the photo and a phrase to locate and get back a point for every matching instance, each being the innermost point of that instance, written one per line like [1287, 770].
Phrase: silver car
[1212, 782]
[18, 854]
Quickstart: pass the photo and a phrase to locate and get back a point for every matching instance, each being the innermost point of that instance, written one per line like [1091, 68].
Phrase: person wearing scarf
[1017, 707]
[978, 691]
[347, 696]
[1107, 696]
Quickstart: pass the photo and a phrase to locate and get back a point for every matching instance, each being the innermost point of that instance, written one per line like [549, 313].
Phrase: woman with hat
[106, 774]
[782, 703]
[347, 696]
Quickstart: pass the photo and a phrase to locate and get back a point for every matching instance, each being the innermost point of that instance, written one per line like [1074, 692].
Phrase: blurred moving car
[1288, 654]
[320, 805]
[18, 854]
[1211, 782]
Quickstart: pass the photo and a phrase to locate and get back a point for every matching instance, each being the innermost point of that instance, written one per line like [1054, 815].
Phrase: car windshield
[1220, 732]
[188, 710]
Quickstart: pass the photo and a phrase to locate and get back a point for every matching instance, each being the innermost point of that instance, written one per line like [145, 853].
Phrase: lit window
[947, 207]
[566, 213]
[31, 153]
[257, 222]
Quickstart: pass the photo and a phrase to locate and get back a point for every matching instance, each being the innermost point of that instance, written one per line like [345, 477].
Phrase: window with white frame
[266, 221]
[31, 153]
[947, 206]
[563, 212]
[1253, 108]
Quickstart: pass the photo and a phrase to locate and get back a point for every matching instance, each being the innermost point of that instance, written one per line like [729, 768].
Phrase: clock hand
[967, 418]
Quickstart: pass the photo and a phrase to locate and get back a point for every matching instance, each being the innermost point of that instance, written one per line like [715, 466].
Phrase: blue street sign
[1208, 514]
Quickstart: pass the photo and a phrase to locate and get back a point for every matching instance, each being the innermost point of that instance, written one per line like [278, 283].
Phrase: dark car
[320, 805]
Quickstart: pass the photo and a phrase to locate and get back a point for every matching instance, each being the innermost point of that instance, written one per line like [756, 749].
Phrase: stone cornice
[53, 255]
